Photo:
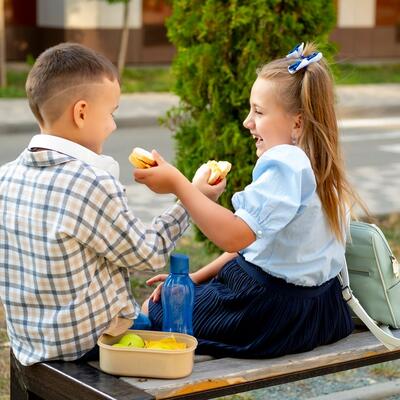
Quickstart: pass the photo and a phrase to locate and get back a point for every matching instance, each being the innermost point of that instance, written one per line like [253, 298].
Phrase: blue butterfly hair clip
[302, 61]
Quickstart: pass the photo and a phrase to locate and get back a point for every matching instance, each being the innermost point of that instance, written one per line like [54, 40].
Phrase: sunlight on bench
[210, 377]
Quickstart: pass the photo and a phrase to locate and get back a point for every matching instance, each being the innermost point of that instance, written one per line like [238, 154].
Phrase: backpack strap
[383, 334]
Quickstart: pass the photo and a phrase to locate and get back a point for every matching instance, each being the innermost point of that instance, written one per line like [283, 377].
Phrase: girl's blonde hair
[309, 92]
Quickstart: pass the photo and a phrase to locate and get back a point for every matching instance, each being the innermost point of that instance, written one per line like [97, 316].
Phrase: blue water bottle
[177, 297]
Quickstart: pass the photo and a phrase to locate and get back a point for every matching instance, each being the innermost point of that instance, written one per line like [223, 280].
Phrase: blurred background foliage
[219, 46]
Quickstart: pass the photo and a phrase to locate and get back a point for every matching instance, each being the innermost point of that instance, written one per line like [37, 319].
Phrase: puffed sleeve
[283, 183]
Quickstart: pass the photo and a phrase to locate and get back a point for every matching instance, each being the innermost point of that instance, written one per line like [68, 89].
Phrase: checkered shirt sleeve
[68, 242]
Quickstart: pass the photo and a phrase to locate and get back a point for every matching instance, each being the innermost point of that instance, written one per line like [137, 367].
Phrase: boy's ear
[80, 113]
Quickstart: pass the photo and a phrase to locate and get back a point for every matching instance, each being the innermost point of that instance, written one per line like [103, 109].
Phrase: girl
[275, 290]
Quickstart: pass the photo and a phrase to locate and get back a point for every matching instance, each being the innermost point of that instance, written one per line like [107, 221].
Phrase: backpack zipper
[395, 263]
[396, 266]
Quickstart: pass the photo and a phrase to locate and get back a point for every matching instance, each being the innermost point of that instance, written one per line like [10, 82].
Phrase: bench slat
[210, 378]
[356, 350]
[68, 381]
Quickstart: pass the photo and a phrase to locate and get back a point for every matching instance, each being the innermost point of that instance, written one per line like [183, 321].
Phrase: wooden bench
[210, 377]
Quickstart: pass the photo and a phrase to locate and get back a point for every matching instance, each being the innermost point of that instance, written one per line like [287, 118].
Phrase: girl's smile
[268, 122]
[259, 141]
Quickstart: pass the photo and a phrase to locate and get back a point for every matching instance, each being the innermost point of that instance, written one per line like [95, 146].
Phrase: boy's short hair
[59, 74]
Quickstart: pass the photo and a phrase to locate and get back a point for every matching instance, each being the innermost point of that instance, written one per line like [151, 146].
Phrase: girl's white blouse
[294, 241]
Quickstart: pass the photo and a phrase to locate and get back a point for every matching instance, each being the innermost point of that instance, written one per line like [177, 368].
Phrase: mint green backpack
[373, 274]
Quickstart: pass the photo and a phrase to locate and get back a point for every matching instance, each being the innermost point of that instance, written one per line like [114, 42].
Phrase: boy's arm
[219, 224]
[105, 224]
[146, 246]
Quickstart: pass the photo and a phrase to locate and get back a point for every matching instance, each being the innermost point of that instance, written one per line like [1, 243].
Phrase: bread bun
[219, 170]
[141, 158]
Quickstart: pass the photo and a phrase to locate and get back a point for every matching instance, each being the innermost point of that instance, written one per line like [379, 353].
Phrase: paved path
[144, 109]
[372, 160]
[360, 107]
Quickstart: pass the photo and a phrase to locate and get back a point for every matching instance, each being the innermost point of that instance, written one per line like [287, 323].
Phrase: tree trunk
[3, 75]
[124, 39]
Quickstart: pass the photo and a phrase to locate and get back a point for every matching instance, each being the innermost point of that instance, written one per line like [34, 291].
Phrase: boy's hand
[163, 178]
[200, 180]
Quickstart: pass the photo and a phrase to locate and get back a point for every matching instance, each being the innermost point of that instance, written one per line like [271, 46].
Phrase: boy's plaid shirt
[67, 244]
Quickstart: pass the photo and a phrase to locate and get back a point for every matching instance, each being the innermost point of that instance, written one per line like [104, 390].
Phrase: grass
[15, 84]
[134, 80]
[4, 359]
[146, 80]
[386, 369]
[160, 79]
[390, 224]
[349, 74]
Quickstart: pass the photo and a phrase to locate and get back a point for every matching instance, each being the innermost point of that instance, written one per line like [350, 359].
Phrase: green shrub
[219, 44]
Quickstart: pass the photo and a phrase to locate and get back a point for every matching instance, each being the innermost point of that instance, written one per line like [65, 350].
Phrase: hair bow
[302, 61]
[296, 52]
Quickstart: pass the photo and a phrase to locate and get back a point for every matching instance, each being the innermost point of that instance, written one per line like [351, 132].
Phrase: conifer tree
[220, 44]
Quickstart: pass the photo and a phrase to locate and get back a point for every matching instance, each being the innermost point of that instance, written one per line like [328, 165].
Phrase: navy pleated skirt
[244, 312]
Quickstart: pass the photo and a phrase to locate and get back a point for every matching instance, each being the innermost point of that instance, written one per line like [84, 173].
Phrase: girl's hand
[162, 178]
[200, 180]
[194, 278]
[156, 295]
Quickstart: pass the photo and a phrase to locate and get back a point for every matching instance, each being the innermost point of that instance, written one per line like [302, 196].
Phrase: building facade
[34, 25]
[365, 29]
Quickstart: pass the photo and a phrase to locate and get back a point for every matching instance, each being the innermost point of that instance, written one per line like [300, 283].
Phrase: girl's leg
[145, 307]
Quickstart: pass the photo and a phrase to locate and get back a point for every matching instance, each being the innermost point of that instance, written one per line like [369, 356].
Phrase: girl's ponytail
[309, 91]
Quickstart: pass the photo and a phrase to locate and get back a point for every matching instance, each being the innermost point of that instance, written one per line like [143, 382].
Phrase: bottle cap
[179, 263]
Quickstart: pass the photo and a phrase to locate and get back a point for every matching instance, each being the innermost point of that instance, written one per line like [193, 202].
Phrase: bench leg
[18, 390]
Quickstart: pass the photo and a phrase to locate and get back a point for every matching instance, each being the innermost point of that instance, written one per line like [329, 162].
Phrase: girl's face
[268, 123]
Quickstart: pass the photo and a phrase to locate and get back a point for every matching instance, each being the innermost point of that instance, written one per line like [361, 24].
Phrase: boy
[68, 240]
